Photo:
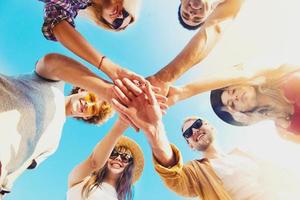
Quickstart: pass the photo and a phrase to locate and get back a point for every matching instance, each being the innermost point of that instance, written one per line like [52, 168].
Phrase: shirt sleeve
[54, 13]
[179, 177]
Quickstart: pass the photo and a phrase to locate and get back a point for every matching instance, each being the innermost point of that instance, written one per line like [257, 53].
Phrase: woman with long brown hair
[112, 15]
[242, 96]
[110, 171]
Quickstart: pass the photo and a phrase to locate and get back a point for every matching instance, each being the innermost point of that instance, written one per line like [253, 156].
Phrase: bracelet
[101, 61]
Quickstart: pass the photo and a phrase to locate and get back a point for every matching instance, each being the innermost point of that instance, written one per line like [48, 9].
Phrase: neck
[213, 151]
[68, 109]
[111, 179]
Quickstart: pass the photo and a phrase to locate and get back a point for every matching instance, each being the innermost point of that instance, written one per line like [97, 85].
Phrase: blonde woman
[242, 97]
[112, 15]
[110, 171]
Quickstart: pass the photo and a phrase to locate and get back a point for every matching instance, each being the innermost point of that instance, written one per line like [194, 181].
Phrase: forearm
[59, 67]
[76, 43]
[160, 145]
[103, 149]
[192, 53]
[203, 42]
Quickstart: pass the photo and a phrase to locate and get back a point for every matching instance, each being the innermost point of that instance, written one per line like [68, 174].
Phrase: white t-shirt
[32, 115]
[105, 191]
[247, 179]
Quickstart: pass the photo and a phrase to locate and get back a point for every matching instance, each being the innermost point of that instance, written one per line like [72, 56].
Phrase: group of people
[38, 103]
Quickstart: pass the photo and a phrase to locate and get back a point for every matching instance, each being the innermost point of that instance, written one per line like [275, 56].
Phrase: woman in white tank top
[110, 171]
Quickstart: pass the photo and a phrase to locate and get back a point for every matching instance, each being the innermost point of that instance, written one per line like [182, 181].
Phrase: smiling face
[119, 159]
[240, 98]
[202, 137]
[194, 12]
[84, 105]
[115, 16]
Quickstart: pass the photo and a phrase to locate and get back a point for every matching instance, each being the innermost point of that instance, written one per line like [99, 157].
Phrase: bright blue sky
[154, 40]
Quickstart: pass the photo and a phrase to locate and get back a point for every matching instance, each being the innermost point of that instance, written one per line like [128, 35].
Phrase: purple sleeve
[54, 14]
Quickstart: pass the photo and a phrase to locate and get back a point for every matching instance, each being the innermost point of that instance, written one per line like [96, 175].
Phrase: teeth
[116, 165]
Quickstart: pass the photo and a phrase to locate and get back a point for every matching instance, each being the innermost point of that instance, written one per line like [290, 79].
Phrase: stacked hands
[138, 103]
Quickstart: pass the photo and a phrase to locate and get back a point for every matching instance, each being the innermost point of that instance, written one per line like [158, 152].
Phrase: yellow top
[194, 179]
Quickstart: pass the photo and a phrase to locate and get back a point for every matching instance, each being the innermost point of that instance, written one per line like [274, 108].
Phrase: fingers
[119, 107]
[155, 89]
[121, 96]
[132, 87]
[160, 98]
[163, 106]
[138, 78]
[124, 89]
[150, 94]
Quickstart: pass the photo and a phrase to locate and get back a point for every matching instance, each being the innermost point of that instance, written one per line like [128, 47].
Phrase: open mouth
[200, 136]
[116, 165]
[81, 106]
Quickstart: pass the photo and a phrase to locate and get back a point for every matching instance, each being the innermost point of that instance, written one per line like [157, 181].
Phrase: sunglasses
[126, 158]
[117, 23]
[189, 132]
[91, 98]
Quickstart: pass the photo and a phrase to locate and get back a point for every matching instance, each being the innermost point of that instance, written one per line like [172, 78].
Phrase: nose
[118, 158]
[195, 4]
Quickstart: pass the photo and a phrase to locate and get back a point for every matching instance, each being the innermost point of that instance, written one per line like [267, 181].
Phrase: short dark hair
[105, 111]
[191, 28]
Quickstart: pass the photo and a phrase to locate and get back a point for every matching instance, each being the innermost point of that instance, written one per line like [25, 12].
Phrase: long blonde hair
[94, 12]
[276, 110]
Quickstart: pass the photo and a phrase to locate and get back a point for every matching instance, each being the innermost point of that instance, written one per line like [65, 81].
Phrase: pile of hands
[140, 104]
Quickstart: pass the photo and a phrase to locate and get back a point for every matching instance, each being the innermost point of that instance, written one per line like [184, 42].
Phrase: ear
[81, 90]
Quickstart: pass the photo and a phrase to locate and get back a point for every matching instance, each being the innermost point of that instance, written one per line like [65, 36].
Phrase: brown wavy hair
[105, 111]
[124, 182]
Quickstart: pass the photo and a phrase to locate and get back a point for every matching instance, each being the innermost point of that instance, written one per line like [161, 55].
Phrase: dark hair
[124, 182]
[189, 27]
[217, 105]
[103, 115]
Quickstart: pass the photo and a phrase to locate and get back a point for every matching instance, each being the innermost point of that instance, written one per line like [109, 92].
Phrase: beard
[204, 143]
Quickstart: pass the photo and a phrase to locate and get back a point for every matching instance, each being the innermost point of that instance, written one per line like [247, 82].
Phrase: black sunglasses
[189, 132]
[117, 23]
[126, 158]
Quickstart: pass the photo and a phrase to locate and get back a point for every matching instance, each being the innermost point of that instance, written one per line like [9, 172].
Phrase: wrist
[105, 92]
[154, 132]
[110, 69]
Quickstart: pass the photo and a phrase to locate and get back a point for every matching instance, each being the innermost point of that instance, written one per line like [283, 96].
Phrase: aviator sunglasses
[189, 132]
[91, 99]
[126, 158]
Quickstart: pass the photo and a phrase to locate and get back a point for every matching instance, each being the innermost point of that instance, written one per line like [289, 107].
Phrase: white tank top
[104, 192]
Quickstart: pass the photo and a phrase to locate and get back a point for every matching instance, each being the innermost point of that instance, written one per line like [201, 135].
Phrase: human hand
[173, 95]
[121, 73]
[164, 86]
[144, 111]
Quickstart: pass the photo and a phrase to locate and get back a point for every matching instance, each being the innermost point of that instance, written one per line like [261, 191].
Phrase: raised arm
[59, 67]
[146, 114]
[68, 36]
[202, 43]
[99, 156]
[237, 74]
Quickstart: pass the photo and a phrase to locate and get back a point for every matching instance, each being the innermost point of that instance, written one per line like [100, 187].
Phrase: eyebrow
[184, 15]
[196, 20]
